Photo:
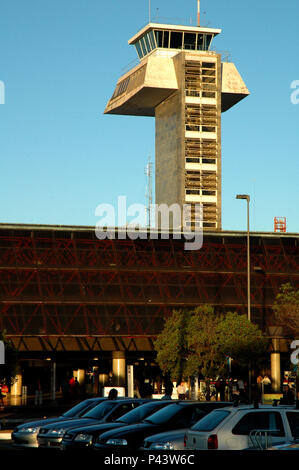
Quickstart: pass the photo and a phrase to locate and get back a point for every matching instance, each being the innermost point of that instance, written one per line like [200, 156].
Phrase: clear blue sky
[61, 156]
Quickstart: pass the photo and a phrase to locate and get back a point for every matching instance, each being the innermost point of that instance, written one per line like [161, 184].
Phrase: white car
[244, 427]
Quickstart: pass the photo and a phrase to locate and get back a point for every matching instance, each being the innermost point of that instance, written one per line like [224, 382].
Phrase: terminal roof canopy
[156, 35]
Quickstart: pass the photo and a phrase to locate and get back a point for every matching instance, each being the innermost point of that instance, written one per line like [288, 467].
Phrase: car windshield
[100, 411]
[210, 421]
[82, 407]
[139, 413]
[164, 415]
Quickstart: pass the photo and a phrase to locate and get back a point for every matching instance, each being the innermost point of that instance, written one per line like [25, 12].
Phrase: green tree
[188, 343]
[9, 369]
[171, 346]
[203, 347]
[286, 308]
[241, 339]
[200, 340]
[286, 311]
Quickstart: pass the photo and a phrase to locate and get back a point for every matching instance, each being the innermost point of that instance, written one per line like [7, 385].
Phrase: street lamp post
[247, 198]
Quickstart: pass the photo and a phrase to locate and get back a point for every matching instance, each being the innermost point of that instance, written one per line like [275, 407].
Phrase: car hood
[130, 429]
[41, 422]
[97, 428]
[167, 436]
[73, 423]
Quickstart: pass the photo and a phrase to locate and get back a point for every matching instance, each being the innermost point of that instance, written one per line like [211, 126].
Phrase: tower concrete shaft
[185, 86]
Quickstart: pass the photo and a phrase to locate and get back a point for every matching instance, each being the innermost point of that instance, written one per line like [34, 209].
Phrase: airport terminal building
[73, 303]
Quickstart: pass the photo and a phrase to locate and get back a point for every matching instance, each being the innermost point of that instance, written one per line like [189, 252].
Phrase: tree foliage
[240, 339]
[200, 340]
[286, 308]
[171, 346]
[202, 343]
[9, 369]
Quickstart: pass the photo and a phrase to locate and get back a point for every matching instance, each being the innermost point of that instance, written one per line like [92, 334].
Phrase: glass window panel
[139, 50]
[152, 40]
[189, 40]
[143, 45]
[148, 46]
[200, 42]
[209, 38]
[176, 40]
[166, 39]
[293, 419]
[159, 37]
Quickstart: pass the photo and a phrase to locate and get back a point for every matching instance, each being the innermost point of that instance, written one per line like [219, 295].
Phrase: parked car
[244, 427]
[25, 435]
[84, 436]
[181, 414]
[174, 440]
[109, 410]
[293, 445]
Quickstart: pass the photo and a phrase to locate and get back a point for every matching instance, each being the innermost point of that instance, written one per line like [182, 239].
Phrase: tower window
[166, 39]
[189, 41]
[159, 38]
[176, 40]
[139, 50]
[200, 42]
[148, 46]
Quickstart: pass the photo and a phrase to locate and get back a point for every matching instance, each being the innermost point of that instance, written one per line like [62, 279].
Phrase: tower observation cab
[157, 36]
[185, 85]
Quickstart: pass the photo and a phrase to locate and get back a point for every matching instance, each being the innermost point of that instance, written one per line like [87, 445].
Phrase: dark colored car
[109, 410]
[182, 414]
[25, 435]
[84, 436]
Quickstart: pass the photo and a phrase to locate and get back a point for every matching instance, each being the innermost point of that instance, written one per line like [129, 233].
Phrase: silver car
[169, 440]
[243, 427]
[51, 435]
[25, 435]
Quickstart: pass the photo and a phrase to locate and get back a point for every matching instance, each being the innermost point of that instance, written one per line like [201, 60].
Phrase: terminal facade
[72, 303]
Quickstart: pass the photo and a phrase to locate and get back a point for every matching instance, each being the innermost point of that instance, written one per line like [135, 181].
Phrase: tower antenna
[198, 12]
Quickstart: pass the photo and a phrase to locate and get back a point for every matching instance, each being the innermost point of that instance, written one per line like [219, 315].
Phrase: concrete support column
[275, 366]
[119, 368]
[16, 388]
[96, 381]
[81, 377]
[53, 381]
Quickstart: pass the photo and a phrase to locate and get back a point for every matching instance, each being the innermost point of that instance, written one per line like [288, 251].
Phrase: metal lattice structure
[63, 289]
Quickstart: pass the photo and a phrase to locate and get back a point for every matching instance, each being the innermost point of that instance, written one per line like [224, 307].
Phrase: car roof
[257, 408]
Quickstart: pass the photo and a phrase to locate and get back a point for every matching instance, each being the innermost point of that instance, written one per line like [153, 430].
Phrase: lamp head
[243, 196]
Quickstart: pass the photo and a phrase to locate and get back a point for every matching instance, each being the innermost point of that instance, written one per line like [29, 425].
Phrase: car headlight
[117, 442]
[162, 446]
[57, 432]
[83, 438]
[30, 430]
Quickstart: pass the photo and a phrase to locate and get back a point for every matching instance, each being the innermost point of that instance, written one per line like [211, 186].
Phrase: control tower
[183, 84]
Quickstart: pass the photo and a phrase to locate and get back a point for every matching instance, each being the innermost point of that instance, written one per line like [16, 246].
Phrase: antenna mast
[198, 12]
[149, 189]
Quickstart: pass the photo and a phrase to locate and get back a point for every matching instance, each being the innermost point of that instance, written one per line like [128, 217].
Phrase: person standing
[182, 390]
[267, 384]
[1, 398]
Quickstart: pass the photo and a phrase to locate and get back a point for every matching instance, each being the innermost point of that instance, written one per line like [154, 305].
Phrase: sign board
[121, 391]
